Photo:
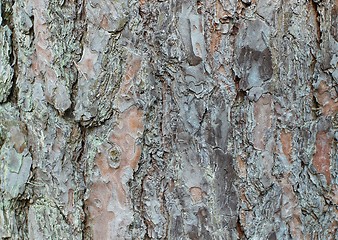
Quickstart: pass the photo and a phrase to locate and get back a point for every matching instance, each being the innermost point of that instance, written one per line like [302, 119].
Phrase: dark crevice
[201, 121]
[82, 167]
[69, 113]
[64, 217]
[137, 192]
[21, 206]
[81, 10]
[6, 13]
[83, 143]
[7, 20]
[13, 96]
[234, 30]
[315, 107]
[241, 94]
[2, 139]
[313, 63]
[246, 3]
[31, 30]
[314, 5]
[240, 229]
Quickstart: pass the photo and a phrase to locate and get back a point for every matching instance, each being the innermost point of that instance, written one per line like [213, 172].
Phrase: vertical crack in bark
[13, 96]
[315, 6]
[81, 166]
[240, 230]
[8, 21]
[167, 216]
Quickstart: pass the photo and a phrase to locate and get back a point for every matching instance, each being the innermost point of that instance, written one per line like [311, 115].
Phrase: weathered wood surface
[168, 119]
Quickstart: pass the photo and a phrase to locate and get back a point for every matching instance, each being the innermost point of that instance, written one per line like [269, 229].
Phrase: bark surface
[190, 119]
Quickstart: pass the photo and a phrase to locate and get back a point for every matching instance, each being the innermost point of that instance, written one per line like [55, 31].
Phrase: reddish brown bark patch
[70, 199]
[327, 99]
[286, 140]
[241, 167]
[215, 41]
[290, 210]
[115, 161]
[132, 69]
[109, 190]
[196, 194]
[142, 2]
[125, 136]
[97, 204]
[330, 108]
[104, 22]
[101, 160]
[321, 159]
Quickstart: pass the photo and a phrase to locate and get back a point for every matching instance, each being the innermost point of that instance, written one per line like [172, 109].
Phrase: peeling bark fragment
[226, 197]
[327, 99]
[16, 159]
[15, 166]
[262, 114]
[268, 10]
[112, 16]
[254, 60]
[257, 67]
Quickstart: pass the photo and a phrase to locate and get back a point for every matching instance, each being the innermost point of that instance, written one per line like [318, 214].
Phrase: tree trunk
[168, 119]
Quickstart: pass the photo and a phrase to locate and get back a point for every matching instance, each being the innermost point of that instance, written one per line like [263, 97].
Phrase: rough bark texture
[190, 119]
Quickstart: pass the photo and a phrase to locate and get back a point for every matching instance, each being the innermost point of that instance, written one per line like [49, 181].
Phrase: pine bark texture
[190, 119]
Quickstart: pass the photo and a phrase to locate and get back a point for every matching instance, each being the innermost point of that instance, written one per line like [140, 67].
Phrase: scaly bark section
[168, 119]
